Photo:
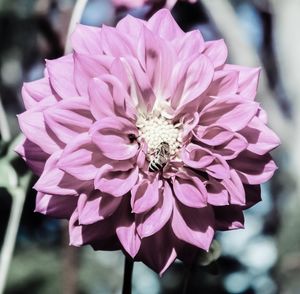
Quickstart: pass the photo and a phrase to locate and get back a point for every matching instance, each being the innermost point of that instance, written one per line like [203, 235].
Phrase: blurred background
[263, 259]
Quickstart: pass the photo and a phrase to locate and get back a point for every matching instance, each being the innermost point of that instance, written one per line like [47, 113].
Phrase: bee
[160, 157]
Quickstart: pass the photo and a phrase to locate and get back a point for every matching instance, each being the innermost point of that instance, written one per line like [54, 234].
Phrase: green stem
[127, 281]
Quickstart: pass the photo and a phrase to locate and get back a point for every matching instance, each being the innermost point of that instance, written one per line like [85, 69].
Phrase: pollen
[156, 129]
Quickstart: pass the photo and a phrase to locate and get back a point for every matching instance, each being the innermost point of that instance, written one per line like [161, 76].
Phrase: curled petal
[193, 225]
[190, 190]
[56, 206]
[261, 139]
[61, 76]
[68, 118]
[36, 91]
[212, 135]
[254, 169]
[81, 158]
[116, 182]
[233, 114]
[112, 136]
[196, 156]
[54, 181]
[96, 206]
[217, 194]
[32, 124]
[152, 221]
[145, 195]
[33, 155]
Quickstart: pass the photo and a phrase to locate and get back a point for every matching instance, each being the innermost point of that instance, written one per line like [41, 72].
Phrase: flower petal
[225, 82]
[230, 113]
[217, 194]
[55, 206]
[144, 195]
[33, 125]
[33, 155]
[112, 136]
[151, 222]
[254, 169]
[68, 118]
[96, 206]
[261, 139]
[190, 190]
[36, 91]
[248, 80]
[61, 76]
[81, 158]
[193, 225]
[216, 51]
[87, 40]
[116, 182]
[163, 24]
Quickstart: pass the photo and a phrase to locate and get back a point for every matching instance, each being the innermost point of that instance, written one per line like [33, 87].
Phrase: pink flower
[137, 3]
[146, 140]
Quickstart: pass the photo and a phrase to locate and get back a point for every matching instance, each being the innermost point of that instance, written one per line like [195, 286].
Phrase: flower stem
[128, 268]
[187, 278]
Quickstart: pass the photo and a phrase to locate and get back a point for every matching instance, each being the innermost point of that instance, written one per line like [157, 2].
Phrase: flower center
[157, 131]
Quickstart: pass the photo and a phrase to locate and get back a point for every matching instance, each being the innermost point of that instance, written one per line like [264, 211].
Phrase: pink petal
[189, 44]
[130, 25]
[199, 69]
[88, 67]
[33, 155]
[216, 51]
[68, 118]
[212, 135]
[219, 168]
[96, 206]
[248, 80]
[36, 91]
[144, 195]
[193, 225]
[33, 125]
[55, 206]
[81, 158]
[61, 76]
[261, 139]
[230, 113]
[225, 82]
[157, 58]
[55, 181]
[115, 43]
[116, 182]
[190, 190]
[102, 231]
[129, 238]
[232, 148]
[216, 193]
[163, 24]
[254, 169]
[151, 222]
[87, 40]
[235, 188]
[196, 156]
[112, 136]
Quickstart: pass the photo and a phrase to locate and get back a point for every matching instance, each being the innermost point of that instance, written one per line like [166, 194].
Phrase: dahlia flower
[146, 140]
[137, 3]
